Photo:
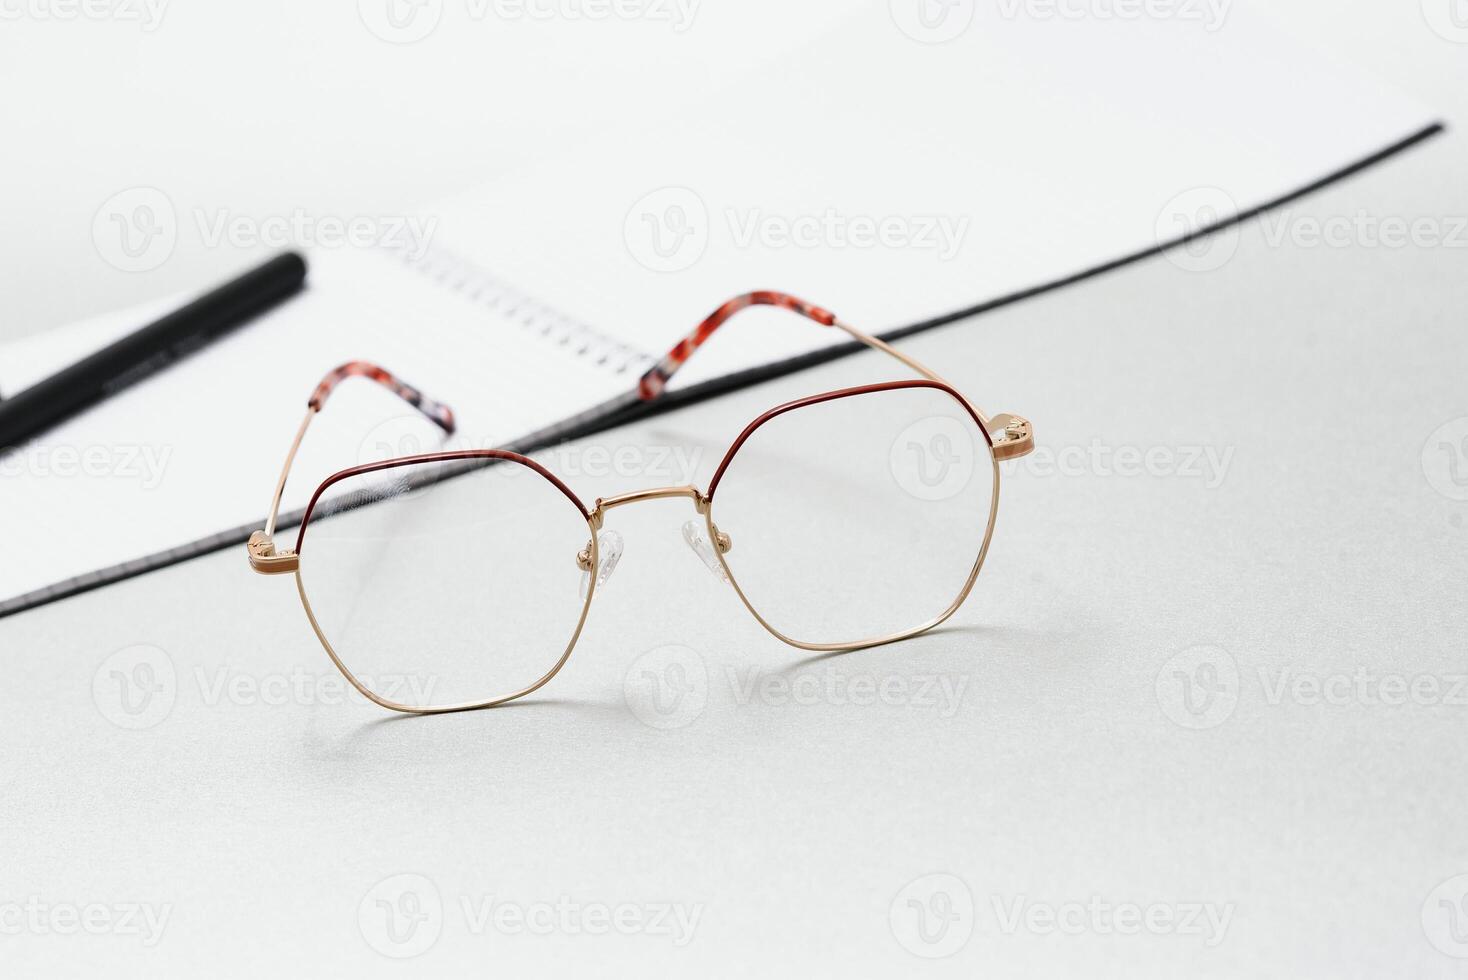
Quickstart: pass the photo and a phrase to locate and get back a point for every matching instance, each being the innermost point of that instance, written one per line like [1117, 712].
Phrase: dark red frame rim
[827, 396]
[749, 430]
[446, 457]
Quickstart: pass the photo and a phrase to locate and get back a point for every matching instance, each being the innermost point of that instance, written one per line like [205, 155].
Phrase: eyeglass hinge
[1016, 436]
[265, 559]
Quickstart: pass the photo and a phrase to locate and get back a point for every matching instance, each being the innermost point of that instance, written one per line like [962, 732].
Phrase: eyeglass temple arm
[1012, 435]
[261, 547]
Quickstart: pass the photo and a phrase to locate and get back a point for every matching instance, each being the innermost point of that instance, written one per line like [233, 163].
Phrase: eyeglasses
[462, 579]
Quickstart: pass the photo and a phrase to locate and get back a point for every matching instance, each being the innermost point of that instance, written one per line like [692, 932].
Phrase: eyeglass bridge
[604, 504]
[721, 541]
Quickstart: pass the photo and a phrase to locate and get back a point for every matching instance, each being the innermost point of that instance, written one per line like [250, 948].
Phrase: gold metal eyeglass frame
[1008, 437]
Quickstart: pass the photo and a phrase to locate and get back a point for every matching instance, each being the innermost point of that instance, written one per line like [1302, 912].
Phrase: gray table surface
[1201, 719]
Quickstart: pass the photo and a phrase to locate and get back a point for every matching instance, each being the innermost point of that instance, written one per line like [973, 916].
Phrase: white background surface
[283, 106]
[795, 829]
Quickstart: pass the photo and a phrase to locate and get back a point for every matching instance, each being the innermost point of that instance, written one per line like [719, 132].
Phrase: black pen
[127, 361]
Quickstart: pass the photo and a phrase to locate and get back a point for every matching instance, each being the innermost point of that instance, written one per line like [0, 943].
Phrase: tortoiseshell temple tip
[655, 381]
[440, 414]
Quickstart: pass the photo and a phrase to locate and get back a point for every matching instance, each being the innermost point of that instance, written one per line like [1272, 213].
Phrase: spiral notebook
[185, 463]
[538, 304]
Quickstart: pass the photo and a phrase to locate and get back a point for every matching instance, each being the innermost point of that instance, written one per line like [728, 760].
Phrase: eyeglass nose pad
[609, 552]
[694, 536]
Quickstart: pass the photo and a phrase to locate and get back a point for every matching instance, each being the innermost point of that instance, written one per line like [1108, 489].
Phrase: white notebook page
[1038, 164]
[197, 448]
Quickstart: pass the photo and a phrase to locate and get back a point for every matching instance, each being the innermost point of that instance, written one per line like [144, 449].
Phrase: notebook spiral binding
[534, 316]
